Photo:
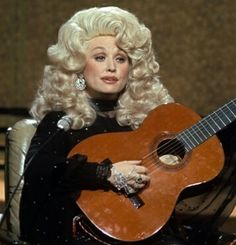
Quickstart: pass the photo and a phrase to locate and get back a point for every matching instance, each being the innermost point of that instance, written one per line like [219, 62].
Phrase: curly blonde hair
[143, 92]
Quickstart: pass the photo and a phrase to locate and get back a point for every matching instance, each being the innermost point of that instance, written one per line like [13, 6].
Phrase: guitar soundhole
[171, 153]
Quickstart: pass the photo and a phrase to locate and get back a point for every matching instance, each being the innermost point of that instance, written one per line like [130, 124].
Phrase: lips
[109, 79]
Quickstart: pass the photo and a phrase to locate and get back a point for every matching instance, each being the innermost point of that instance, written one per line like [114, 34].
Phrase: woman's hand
[129, 175]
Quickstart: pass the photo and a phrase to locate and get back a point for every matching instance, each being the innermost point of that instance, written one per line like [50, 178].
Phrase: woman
[104, 77]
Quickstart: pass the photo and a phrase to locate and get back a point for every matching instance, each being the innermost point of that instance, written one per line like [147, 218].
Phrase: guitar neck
[208, 126]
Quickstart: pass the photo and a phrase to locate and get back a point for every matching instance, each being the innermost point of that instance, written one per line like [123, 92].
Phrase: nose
[111, 67]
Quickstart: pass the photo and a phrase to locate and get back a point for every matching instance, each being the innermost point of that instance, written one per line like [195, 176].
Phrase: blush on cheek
[90, 71]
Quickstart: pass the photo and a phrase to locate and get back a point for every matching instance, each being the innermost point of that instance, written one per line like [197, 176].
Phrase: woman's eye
[100, 58]
[121, 59]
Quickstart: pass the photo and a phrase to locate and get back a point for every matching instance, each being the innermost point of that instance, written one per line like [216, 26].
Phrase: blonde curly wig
[144, 90]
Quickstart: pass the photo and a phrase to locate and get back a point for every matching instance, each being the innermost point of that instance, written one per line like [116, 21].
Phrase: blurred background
[194, 42]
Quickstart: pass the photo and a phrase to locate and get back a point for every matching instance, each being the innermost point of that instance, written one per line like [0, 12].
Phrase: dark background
[194, 42]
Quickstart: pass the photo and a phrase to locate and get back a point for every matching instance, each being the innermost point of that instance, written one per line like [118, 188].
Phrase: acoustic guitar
[179, 149]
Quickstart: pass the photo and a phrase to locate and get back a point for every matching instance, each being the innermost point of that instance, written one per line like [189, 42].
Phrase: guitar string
[154, 165]
[178, 147]
[201, 126]
[171, 145]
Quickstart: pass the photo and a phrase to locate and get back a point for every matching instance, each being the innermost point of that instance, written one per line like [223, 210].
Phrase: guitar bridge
[129, 192]
[136, 200]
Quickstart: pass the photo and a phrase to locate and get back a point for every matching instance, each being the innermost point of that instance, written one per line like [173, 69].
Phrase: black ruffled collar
[103, 105]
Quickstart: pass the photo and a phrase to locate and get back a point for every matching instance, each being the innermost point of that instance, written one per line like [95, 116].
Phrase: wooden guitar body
[113, 213]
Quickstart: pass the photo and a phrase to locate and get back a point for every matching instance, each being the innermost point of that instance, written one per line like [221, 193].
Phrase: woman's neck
[104, 107]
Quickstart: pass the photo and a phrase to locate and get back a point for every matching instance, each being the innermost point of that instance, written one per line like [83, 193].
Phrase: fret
[227, 117]
[184, 142]
[190, 137]
[221, 121]
[203, 130]
[224, 119]
[200, 134]
[231, 114]
[208, 126]
[215, 123]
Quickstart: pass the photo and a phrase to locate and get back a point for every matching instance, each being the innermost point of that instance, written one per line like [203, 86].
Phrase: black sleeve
[50, 168]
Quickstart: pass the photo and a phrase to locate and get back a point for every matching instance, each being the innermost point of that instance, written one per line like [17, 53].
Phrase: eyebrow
[103, 49]
[98, 48]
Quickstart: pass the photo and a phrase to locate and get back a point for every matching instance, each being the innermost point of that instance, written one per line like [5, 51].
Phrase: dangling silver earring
[80, 83]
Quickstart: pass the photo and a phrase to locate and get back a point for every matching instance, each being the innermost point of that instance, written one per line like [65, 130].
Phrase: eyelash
[120, 59]
[99, 58]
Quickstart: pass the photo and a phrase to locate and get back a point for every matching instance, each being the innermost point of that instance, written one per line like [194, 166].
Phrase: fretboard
[208, 126]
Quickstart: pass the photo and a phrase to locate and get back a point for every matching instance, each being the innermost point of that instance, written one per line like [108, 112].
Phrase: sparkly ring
[139, 179]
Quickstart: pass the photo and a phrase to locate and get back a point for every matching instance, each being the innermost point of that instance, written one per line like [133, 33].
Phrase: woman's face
[106, 68]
